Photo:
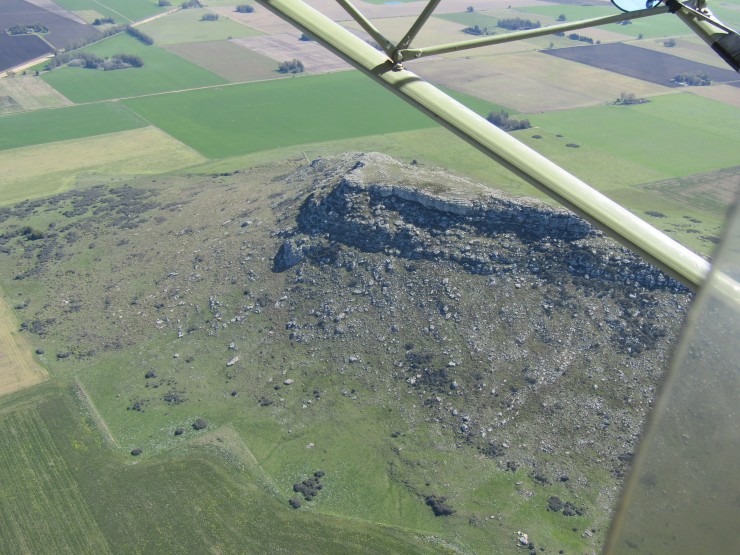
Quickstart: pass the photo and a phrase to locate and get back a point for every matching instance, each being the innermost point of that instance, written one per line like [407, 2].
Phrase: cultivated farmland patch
[530, 82]
[283, 47]
[711, 191]
[18, 369]
[228, 60]
[641, 63]
[185, 26]
[239, 119]
[14, 50]
[30, 93]
[42, 170]
[162, 71]
[63, 30]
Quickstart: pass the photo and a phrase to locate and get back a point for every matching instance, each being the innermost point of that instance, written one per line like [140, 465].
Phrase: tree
[209, 17]
[561, 17]
[244, 8]
[164, 3]
[503, 120]
[670, 43]
[291, 66]
[470, 9]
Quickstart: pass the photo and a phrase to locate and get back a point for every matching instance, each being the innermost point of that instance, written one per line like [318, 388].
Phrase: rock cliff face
[378, 205]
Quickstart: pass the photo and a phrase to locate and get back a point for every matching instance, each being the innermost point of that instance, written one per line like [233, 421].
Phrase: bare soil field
[14, 50]
[43, 170]
[18, 369]
[31, 93]
[531, 82]
[228, 60]
[641, 63]
[62, 30]
[283, 47]
[689, 49]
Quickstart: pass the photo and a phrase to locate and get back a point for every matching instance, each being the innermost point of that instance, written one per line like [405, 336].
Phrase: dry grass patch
[31, 93]
[531, 82]
[42, 170]
[282, 47]
[18, 369]
[227, 60]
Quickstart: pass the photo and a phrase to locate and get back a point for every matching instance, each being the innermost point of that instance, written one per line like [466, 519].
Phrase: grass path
[82, 395]
[18, 369]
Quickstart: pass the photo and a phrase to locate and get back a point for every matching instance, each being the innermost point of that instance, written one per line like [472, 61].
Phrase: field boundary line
[82, 395]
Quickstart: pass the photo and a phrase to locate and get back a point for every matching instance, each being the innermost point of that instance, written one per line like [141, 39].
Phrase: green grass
[69, 493]
[73, 122]
[122, 11]
[185, 26]
[248, 118]
[162, 71]
[656, 26]
[659, 135]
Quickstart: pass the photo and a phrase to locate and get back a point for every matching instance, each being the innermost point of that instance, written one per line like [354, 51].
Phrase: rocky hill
[477, 334]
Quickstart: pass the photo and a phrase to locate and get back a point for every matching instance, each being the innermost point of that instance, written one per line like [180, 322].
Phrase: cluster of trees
[28, 29]
[103, 21]
[625, 99]
[696, 79]
[244, 8]
[164, 3]
[503, 120]
[209, 17]
[291, 66]
[191, 4]
[89, 60]
[518, 24]
[139, 35]
[476, 30]
[582, 38]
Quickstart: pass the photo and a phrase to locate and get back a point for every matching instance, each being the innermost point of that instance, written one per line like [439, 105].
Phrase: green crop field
[59, 124]
[652, 134]
[248, 118]
[122, 11]
[185, 26]
[656, 26]
[70, 493]
[162, 71]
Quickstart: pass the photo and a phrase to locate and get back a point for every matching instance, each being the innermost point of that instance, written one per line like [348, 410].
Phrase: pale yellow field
[18, 369]
[31, 92]
[282, 47]
[42, 170]
[533, 82]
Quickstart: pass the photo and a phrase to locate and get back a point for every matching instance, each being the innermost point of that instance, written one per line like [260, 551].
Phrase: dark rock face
[484, 232]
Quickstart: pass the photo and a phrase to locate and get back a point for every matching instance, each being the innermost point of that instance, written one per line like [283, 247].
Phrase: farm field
[14, 50]
[122, 11]
[42, 170]
[162, 72]
[641, 63]
[228, 60]
[59, 464]
[531, 82]
[649, 133]
[69, 122]
[30, 93]
[185, 26]
[18, 369]
[64, 28]
[247, 118]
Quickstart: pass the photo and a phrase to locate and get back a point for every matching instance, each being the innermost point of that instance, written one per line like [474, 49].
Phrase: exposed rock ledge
[377, 204]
